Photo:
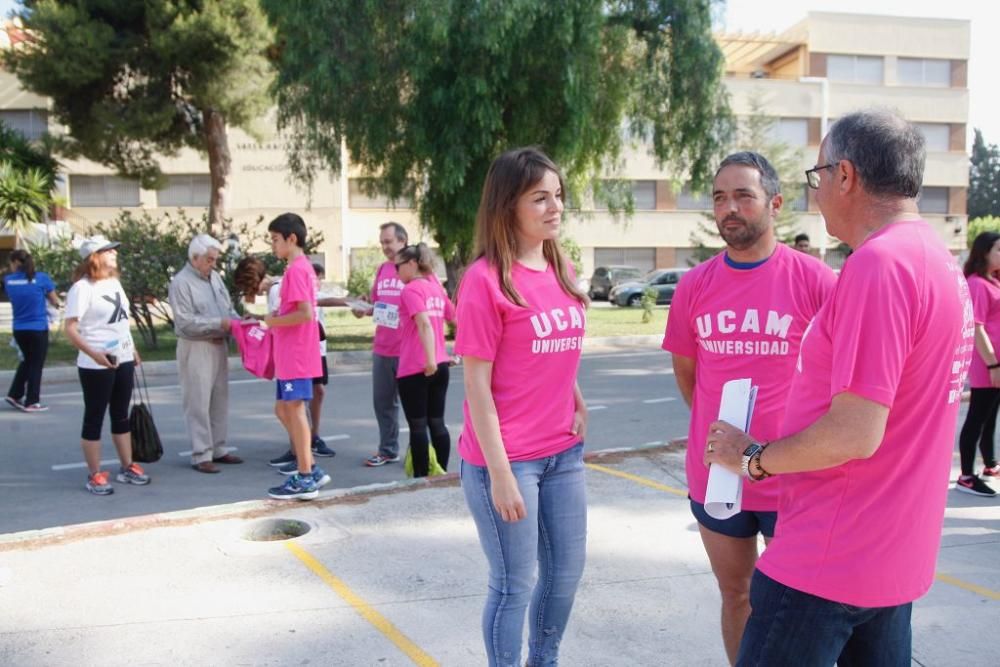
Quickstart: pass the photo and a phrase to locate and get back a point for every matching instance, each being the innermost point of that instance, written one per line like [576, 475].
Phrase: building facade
[805, 78]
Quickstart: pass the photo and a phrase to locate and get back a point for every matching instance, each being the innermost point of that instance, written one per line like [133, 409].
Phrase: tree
[756, 133]
[24, 197]
[425, 94]
[28, 175]
[977, 226]
[984, 179]
[133, 80]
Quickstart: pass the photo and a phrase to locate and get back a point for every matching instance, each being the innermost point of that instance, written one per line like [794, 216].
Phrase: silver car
[664, 281]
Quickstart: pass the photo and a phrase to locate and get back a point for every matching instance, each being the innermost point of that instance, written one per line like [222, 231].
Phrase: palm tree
[24, 198]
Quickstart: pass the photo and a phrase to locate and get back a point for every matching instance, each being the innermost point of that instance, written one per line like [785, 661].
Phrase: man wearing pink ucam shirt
[741, 314]
[865, 451]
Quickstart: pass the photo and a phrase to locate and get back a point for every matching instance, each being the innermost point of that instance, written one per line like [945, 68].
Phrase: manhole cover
[276, 530]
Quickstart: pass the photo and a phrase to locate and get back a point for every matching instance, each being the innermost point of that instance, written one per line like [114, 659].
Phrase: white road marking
[70, 466]
[659, 400]
[591, 408]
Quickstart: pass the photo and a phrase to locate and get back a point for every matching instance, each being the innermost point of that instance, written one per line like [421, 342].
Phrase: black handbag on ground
[146, 445]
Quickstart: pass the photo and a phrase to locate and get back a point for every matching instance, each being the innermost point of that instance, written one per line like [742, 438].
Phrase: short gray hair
[201, 244]
[397, 229]
[887, 151]
[768, 176]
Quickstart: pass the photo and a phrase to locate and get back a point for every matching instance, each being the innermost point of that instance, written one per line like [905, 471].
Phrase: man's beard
[744, 237]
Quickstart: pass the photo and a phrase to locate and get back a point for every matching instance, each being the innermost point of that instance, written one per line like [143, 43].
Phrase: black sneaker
[282, 460]
[320, 449]
[975, 486]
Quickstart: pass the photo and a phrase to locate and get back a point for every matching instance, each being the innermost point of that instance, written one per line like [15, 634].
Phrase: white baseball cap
[96, 244]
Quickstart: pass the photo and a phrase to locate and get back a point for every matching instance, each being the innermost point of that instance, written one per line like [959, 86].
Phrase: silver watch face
[749, 451]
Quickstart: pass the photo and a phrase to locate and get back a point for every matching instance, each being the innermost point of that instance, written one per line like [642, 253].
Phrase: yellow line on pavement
[972, 588]
[637, 479]
[402, 642]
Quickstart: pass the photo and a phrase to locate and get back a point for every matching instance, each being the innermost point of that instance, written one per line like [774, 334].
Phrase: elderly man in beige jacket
[202, 312]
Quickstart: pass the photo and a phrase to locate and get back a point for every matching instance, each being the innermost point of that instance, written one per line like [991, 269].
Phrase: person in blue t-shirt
[28, 291]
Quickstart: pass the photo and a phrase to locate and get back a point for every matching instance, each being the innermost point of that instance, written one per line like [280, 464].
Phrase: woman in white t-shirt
[97, 325]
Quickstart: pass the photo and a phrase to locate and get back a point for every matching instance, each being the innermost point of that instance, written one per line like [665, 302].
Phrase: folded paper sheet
[724, 495]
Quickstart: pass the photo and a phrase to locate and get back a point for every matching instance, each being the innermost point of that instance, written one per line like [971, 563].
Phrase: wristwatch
[749, 454]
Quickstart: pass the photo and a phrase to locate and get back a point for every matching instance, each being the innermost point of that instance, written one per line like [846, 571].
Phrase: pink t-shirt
[985, 295]
[744, 323]
[535, 353]
[386, 292]
[422, 296]
[899, 332]
[296, 356]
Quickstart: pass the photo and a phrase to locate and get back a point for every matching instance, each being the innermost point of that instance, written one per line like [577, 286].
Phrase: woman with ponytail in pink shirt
[520, 332]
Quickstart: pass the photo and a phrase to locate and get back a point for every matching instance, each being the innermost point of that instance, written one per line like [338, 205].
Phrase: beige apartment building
[806, 77]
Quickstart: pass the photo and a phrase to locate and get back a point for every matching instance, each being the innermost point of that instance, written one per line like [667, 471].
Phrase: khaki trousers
[204, 378]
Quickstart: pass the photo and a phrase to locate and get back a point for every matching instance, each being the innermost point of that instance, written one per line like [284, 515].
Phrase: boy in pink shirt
[741, 314]
[296, 356]
[869, 429]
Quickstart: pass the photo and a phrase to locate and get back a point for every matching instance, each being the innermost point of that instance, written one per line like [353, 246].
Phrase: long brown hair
[509, 177]
[981, 246]
[91, 269]
[250, 272]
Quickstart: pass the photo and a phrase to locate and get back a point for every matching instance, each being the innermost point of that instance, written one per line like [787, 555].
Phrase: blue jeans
[789, 627]
[553, 535]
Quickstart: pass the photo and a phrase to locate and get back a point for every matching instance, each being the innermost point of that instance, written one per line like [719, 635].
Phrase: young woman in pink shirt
[984, 376]
[422, 375]
[520, 332]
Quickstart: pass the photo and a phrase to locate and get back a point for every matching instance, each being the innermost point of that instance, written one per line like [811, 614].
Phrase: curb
[56, 374]
[250, 509]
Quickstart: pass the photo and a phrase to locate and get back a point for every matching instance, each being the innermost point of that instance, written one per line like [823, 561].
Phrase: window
[934, 200]
[924, 72]
[854, 69]
[643, 194]
[359, 197]
[688, 201]
[186, 190]
[103, 191]
[643, 259]
[32, 123]
[793, 132]
[937, 135]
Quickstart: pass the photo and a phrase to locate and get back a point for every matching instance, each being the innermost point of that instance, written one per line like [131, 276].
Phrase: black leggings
[27, 382]
[106, 389]
[423, 404]
[980, 424]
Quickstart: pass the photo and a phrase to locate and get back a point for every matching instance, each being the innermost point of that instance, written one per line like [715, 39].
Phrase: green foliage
[24, 154]
[135, 79]
[572, 251]
[59, 259]
[755, 134]
[24, 197]
[989, 223]
[648, 302]
[430, 92]
[984, 180]
[362, 275]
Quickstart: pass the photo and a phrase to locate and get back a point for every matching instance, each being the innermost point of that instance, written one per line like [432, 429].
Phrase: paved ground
[397, 578]
[633, 401]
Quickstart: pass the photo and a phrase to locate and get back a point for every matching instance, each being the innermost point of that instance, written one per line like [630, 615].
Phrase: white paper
[724, 495]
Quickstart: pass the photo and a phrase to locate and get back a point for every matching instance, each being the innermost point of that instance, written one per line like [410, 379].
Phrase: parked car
[606, 277]
[664, 281]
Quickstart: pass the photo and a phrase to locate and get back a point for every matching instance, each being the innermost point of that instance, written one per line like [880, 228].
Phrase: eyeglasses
[812, 175]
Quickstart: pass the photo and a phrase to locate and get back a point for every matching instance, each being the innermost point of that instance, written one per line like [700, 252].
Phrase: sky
[777, 15]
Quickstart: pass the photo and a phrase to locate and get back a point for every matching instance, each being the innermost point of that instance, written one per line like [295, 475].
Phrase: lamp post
[824, 125]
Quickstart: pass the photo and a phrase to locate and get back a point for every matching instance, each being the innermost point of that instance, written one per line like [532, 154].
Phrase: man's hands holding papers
[725, 446]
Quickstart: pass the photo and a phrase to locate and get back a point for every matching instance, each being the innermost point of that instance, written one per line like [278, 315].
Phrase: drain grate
[276, 530]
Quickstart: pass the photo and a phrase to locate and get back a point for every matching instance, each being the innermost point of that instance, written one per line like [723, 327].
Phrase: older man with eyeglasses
[865, 451]
[202, 311]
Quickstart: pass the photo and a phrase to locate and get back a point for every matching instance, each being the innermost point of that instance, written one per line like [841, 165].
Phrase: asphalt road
[632, 397]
